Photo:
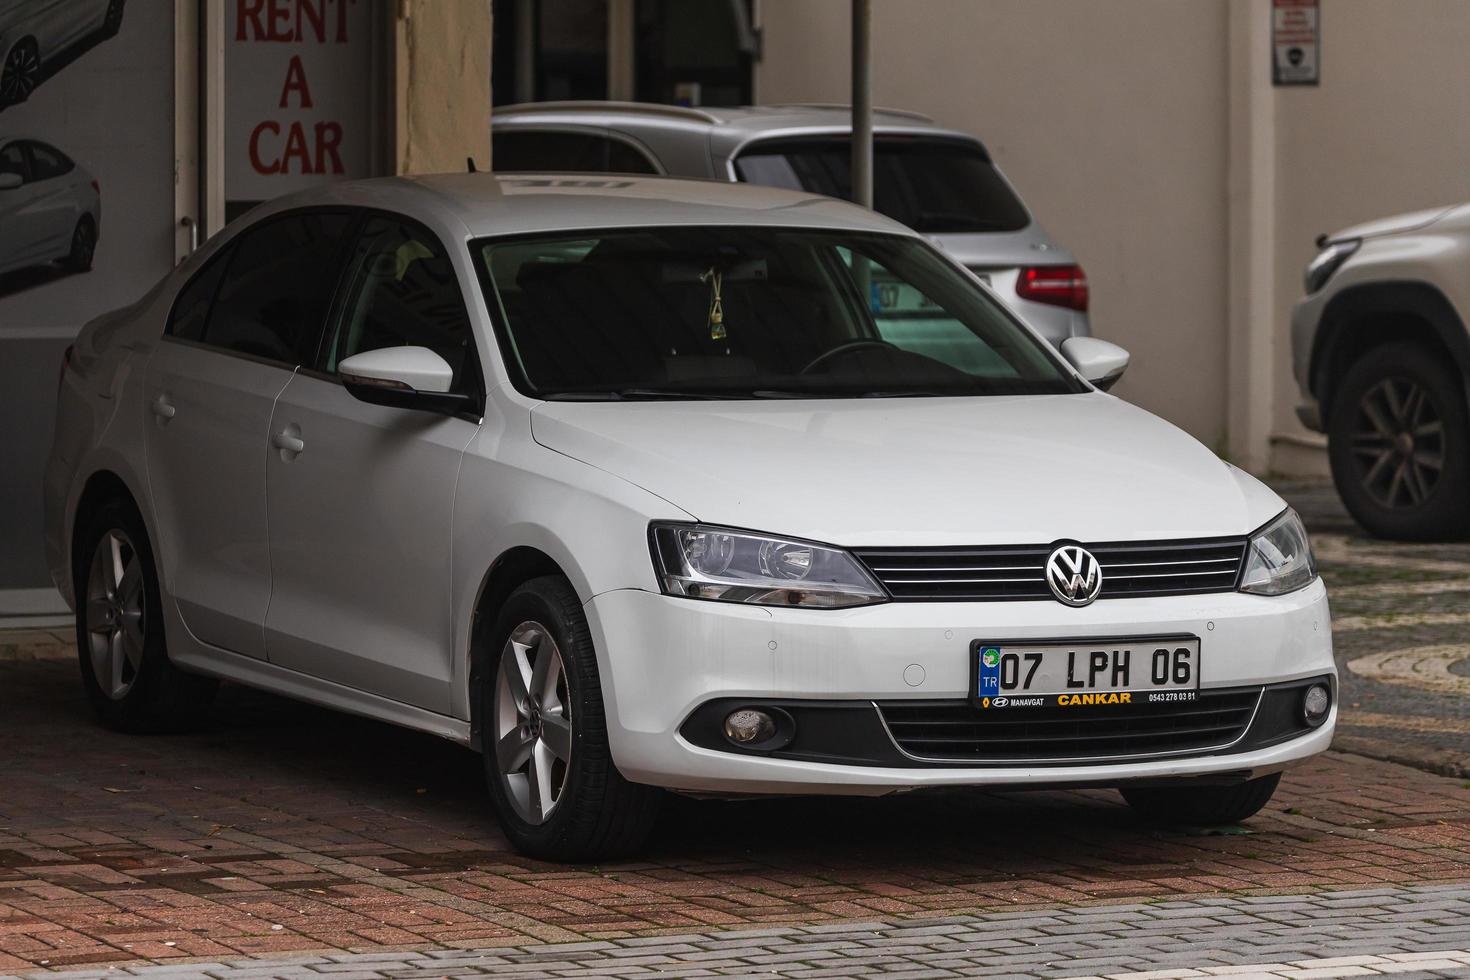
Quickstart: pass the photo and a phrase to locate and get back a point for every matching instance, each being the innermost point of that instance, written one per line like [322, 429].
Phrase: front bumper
[662, 658]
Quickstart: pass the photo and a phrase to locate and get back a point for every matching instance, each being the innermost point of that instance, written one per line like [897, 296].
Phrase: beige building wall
[441, 85]
[1146, 136]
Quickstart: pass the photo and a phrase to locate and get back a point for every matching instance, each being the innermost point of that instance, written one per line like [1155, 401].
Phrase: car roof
[737, 124]
[482, 204]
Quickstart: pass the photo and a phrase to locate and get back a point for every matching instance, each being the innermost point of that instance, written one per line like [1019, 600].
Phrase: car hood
[1395, 225]
[921, 471]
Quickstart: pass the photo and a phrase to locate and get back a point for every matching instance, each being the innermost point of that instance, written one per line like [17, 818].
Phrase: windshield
[936, 186]
[737, 312]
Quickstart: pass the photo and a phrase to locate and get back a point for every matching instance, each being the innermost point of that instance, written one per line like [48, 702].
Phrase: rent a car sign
[298, 93]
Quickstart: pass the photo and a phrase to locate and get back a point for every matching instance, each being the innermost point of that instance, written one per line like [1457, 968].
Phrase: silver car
[938, 181]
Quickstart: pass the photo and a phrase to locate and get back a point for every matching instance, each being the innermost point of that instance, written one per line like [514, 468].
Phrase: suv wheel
[1202, 806]
[125, 667]
[551, 774]
[1399, 444]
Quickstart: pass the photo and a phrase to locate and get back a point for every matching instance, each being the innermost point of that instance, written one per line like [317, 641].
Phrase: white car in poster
[50, 207]
[34, 32]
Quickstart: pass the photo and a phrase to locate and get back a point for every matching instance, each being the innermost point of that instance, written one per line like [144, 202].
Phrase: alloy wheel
[115, 607]
[1398, 443]
[532, 724]
[83, 245]
[18, 75]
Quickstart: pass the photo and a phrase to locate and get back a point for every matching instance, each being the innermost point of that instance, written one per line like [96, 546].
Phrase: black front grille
[957, 731]
[1138, 568]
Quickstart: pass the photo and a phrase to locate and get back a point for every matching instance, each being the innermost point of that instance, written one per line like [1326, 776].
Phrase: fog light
[749, 727]
[1316, 703]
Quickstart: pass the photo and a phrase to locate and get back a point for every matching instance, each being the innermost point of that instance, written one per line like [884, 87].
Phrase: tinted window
[191, 309]
[275, 292]
[528, 152]
[931, 185]
[753, 313]
[402, 291]
[48, 162]
[13, 160]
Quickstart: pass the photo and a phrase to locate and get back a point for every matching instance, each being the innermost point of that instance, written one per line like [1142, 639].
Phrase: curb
[1441, 762]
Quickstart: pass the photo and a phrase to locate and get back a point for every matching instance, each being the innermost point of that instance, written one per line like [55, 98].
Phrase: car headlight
[1328, 261]
[705, 562]
[1278, 558]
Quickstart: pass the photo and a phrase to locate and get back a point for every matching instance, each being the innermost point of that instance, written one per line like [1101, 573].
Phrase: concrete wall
[442, 72]
[1146, 136]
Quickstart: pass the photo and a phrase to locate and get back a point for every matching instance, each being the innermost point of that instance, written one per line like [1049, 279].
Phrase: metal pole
[525, 51]
[862, 103]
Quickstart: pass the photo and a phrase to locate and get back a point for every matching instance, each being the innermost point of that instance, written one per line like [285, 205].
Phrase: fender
[1348, 322]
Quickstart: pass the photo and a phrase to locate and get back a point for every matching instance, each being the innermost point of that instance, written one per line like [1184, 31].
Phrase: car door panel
[209, 421]
[361, 517]
[360, 542]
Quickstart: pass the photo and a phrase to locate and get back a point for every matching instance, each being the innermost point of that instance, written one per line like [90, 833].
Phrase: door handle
[163, 408]
[289, 441]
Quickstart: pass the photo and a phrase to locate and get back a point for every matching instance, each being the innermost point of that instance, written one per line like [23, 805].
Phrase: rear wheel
[125, 667]
[551, 773]
[20, 72]
[1202, 806]
[83, 245]
[1399, 443]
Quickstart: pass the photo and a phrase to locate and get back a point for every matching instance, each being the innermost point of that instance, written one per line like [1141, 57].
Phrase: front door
[361, 499]
[235, 336]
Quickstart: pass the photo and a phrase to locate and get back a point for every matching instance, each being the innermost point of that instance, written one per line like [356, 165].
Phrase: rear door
[360, 510]
[21, 226]
[236, 334]
[55, 198]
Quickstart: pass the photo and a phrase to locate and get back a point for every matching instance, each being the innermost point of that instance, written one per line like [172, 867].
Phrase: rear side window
[191, 309]
[935, 186]
[402, 291]
[13, 161]
[274, 295]
[550, 152]
[48, 162]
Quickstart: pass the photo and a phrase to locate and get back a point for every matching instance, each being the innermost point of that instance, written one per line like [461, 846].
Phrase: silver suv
[1382, 356]
[937, 181]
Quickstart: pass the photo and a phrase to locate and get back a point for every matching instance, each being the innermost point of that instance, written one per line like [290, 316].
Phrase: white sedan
[50, 207]
[645, 484]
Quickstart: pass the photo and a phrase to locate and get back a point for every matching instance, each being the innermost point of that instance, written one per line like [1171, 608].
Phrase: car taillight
[65, 363]
[96, 187]
[1059, 285]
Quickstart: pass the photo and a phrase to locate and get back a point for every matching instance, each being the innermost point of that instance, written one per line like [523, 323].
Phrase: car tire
[1398, 413]
[552, 780]
[20, 72]
[1202, 806]
[129, 679]
[83, 245]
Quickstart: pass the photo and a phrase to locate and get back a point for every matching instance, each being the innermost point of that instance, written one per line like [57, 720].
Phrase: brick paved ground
[288, 829]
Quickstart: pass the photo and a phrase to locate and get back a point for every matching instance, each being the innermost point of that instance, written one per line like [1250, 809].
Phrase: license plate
[1129, 671]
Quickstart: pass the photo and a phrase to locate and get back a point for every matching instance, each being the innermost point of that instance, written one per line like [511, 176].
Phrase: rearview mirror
[403, 377]
[1100, 362]
[10, 181]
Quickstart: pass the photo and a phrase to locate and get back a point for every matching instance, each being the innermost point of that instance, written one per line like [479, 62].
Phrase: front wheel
[125, 667]
[1202, 806]
[551, 774]
[20, 73]
[1399, 443]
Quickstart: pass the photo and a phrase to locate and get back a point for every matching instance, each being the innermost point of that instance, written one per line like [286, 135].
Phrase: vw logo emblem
[1074, 575]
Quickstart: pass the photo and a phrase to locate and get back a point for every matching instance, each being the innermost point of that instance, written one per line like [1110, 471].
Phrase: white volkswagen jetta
[639, 483]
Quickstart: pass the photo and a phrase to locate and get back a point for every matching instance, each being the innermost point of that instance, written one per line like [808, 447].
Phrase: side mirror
[402, 377]
[10, 181]
[1100, 362]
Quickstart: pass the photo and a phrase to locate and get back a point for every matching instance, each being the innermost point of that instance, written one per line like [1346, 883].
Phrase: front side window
[565, 152]
[274, 295]
[752, 313]
[401, 292]
[933, 185]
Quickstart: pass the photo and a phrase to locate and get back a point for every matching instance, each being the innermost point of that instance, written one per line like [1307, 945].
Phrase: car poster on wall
[86, 212]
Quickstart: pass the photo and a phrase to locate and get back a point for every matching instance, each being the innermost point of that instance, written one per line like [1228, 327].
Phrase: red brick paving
[287, 828]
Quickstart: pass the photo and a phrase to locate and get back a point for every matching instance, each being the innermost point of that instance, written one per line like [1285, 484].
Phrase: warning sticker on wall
[1296, 42]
